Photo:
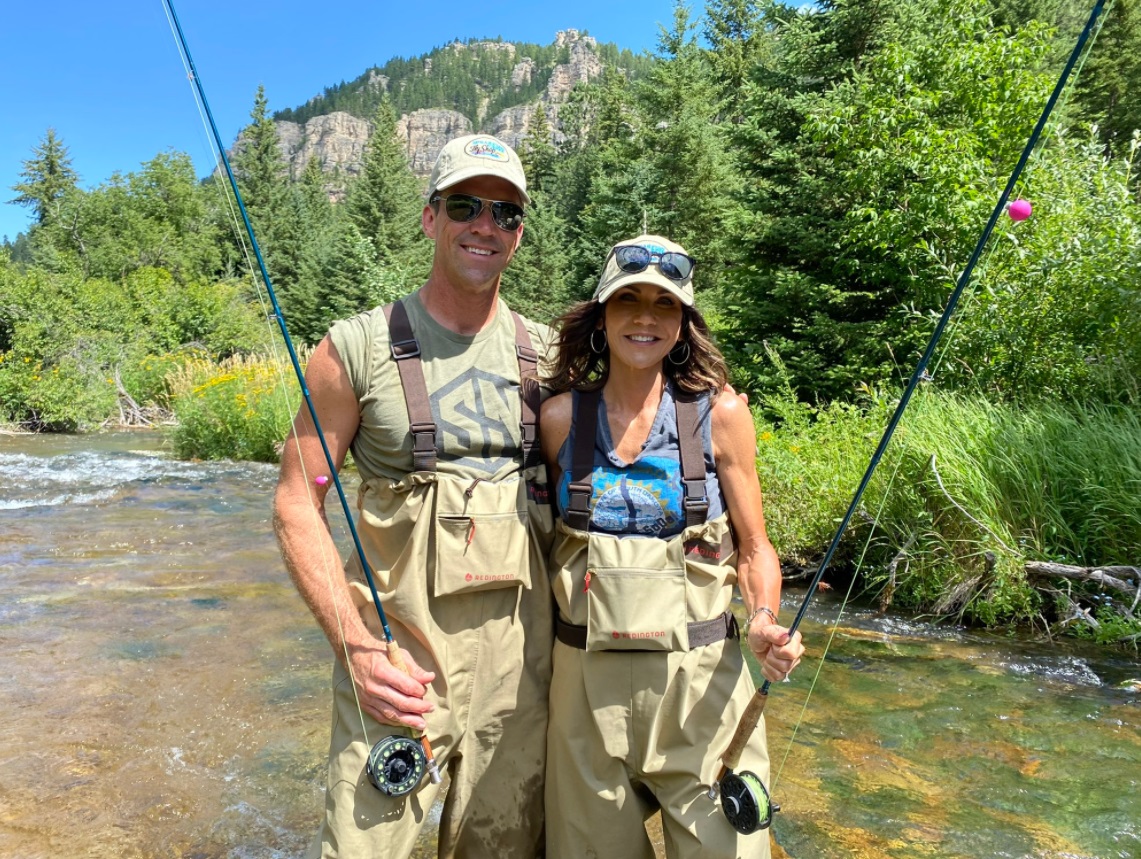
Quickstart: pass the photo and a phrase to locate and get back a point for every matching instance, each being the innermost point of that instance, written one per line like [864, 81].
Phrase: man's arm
[385, 693]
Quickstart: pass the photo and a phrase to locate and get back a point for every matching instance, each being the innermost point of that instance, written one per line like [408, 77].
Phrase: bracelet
[758, 610]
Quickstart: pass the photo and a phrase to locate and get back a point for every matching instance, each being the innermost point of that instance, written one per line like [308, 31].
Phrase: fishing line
[744, 799]
[329, 565]
[396, 764]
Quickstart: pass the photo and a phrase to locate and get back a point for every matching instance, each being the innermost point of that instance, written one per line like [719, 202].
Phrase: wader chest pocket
[481, 536]
[636, 609]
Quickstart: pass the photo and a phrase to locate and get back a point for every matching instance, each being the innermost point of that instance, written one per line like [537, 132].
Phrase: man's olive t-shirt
[473, 388]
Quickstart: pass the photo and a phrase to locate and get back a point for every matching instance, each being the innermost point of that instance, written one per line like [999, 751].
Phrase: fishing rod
[396, 764]
[745, 800]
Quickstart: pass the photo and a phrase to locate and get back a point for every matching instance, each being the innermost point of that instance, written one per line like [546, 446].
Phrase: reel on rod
[746, 803]
[396, 765]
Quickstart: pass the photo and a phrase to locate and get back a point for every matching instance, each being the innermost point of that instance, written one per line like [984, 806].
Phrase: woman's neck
[632, 402]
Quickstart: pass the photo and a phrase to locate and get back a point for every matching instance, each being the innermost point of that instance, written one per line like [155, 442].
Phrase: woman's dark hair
[578, 366]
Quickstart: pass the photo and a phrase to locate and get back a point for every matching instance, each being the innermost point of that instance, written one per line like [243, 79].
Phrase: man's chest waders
[651, 680]
[459, 566]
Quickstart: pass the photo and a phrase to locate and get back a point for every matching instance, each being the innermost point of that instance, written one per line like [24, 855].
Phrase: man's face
[472, 255]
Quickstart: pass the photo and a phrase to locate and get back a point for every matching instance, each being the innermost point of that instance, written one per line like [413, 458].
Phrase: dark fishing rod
[744, 798]
[396, 764]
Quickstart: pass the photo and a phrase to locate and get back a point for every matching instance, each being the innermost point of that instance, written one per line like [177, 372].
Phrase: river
[165, 692]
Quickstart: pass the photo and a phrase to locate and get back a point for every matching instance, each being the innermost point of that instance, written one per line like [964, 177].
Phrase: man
[451, 530]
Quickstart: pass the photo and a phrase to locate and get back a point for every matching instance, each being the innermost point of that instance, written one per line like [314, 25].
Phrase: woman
[660, 514]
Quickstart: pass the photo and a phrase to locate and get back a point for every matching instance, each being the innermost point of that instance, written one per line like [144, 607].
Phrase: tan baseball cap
[614, 277]
[476, 155]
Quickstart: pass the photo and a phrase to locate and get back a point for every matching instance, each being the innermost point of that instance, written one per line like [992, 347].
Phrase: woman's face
[643, 323]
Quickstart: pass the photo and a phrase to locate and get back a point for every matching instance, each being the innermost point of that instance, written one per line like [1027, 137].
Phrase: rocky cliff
[338, 139]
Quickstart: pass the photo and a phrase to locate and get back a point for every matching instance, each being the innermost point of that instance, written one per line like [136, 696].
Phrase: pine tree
[259, 166]
[47, 178]
[538, 282]
[537, 151]
[263, 177]
[384, 202]
[1107, 90]
[688, 182]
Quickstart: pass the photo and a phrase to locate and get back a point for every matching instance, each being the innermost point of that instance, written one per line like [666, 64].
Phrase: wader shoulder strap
[692, 454]
[406, 353]
[529, 390]
[581, 486]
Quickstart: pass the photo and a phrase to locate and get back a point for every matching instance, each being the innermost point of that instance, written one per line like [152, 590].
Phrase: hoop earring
[679, 362]
[594, 347]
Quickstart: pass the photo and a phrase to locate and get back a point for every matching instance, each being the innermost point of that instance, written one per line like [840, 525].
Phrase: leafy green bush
[234, 409]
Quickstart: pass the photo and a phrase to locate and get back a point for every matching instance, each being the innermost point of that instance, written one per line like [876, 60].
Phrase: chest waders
[464, 508]
[668, 598]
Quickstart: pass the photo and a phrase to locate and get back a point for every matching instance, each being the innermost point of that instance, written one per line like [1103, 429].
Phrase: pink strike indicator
[1020, 210]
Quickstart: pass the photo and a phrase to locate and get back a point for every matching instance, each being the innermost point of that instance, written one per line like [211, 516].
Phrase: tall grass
[966, 494]
[233, 409]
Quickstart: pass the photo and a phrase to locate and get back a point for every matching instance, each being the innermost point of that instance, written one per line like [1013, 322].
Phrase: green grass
[967, 492]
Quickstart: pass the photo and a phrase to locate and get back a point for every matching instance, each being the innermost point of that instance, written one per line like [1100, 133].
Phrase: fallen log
[1107, 577]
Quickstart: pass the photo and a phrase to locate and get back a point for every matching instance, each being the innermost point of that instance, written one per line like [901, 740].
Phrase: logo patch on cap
[658, 250]
[483, 147]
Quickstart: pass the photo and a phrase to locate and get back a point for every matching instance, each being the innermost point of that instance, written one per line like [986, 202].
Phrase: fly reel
[746, 802]
[396, 765]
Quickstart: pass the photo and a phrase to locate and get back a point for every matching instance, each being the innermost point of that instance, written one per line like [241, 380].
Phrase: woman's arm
[554, 427]
[758, 568]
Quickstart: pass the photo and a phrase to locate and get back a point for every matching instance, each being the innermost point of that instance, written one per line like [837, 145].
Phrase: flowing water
[164, 693]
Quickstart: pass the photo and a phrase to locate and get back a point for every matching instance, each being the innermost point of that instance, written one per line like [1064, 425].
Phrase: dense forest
[831, 169]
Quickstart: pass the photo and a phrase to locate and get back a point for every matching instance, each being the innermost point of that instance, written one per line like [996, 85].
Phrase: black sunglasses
[635, 258]
[466, 207]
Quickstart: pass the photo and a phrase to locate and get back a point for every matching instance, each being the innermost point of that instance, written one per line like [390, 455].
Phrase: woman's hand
[776, 651]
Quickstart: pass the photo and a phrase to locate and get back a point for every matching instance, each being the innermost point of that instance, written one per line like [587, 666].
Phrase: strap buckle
[403, 349]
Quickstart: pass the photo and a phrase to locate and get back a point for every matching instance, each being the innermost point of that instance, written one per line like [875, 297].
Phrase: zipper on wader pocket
[586, 582]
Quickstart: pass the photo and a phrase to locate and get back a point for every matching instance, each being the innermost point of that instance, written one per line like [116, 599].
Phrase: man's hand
[388, 694]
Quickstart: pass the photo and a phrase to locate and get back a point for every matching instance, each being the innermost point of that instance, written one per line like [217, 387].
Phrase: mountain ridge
[480, 85]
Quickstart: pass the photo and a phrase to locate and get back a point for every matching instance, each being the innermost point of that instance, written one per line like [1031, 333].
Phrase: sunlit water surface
[164, 693]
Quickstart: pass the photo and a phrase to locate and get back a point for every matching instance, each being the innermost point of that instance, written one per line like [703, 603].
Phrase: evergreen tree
[47, 178]
[1108, 91]
[538, 282]
[259, 166]
[733, 30]
[384, 203]
[537, 152]
[274, 212]
[690, 177]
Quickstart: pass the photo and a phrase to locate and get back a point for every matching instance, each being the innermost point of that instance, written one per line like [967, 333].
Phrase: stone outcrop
[337, 139]
[424, 133]
[522, 73]
[584, 65]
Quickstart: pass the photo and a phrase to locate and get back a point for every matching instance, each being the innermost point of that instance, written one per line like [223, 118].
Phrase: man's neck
[462, 311]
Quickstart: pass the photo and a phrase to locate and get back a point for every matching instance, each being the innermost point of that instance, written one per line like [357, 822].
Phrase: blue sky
[108, 78]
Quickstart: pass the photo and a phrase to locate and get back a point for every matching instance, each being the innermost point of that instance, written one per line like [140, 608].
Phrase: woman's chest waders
[460, 569]
[649, 677]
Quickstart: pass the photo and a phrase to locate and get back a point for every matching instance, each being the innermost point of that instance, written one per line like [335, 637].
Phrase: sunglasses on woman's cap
[635, 258]
[464, 208]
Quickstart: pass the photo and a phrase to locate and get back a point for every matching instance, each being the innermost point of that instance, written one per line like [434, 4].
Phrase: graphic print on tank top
[474, 415]
[643, 498]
